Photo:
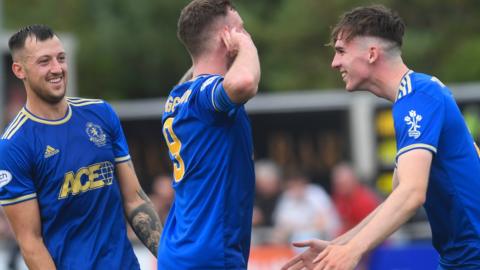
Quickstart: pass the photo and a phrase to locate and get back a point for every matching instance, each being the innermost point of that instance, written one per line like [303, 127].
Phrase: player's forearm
[145, 222]
[241, 80]
[396, 210]
[344, 238]
[36, 256]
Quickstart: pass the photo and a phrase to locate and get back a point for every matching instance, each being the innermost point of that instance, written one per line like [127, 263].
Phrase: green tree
[129, 49]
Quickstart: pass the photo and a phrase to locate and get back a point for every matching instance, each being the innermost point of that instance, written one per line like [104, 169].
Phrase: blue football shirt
[68, 165]
[209, 224]
[426, 116]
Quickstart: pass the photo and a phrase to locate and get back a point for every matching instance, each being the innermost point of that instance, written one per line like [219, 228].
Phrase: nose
[335, 62]
[56, 67]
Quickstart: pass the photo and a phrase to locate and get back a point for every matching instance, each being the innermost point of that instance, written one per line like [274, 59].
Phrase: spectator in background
[353, 200]
[304, 211]
[268, 186]
[162, 195]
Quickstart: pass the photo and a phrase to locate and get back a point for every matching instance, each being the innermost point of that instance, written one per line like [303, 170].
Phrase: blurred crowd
[289, 206]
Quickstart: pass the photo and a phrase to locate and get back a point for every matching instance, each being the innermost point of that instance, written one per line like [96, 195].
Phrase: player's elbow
[29, 245]
[247, 88]
[420, 198]
[27, 251]
[241, 89]
[416, 199]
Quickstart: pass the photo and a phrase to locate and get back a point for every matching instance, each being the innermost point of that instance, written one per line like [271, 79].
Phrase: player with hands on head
[208, 134]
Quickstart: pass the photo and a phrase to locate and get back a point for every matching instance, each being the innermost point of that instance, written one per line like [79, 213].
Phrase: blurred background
[324, 157]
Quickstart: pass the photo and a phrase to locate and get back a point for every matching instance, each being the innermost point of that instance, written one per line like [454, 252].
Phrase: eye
[62, 58]
[43, 62]
[339, 51]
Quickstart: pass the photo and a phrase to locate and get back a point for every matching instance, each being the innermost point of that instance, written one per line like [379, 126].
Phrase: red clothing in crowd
[355, 206]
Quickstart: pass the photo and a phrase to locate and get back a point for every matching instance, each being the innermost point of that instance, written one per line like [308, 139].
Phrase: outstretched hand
[305, 259]
[337, 257]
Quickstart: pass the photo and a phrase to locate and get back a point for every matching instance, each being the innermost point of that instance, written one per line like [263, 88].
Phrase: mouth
[55, 80]
[344, 75]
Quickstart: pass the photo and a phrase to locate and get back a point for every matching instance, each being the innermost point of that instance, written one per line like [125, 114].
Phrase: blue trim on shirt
[222, 101]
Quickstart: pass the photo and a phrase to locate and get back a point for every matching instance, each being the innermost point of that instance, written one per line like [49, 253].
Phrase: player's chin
[55, 98]
[350, 88]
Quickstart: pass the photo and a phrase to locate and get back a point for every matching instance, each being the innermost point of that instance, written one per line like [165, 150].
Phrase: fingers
[321, 256]
[298, 266]
[292, 262]
[320, 266]
[307, 243]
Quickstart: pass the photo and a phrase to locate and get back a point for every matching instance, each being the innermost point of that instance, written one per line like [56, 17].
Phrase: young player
[437, 162]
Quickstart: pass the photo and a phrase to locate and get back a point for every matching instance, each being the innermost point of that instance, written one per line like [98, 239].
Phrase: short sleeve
[418, 120]
[16, 183]
[212, 97]
[119, 142]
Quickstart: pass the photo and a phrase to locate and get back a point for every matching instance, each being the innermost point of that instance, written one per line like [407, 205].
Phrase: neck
[387, 79]
[209, 64]
[46, 110]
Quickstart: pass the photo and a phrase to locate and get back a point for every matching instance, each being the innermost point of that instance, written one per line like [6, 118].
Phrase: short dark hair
[195, 20]
[375, 21]
[39, 31]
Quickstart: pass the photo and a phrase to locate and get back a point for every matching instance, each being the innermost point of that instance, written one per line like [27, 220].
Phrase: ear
[18, 70]
[225, 36]
[373, 54]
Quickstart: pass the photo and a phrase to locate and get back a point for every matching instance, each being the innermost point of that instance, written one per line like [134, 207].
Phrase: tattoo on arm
[146, 224]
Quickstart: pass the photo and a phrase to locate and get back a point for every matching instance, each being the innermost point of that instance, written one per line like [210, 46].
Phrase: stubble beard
[51, 99]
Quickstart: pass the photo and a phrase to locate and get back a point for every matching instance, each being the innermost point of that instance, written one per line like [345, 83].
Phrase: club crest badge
[412, 119]
[96, 134]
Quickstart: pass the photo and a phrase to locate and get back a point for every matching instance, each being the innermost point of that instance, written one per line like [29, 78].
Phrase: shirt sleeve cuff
[18, 199]
[405, 149]
[122, 159]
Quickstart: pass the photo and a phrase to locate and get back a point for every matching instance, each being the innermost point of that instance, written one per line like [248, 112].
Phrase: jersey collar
[60, 121]
[405, 86]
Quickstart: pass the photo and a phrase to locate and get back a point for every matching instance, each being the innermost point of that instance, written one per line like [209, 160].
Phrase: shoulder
[85, 102]
[200, 83]
[16, 147]
[416, 85]
[15, 127]
[79, 102]
[209, 81]
[191, 90]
